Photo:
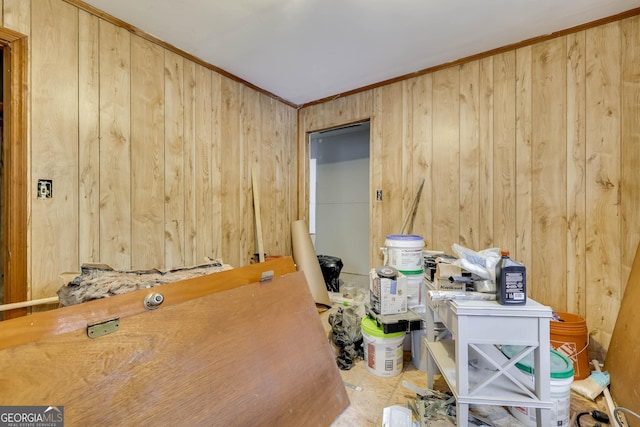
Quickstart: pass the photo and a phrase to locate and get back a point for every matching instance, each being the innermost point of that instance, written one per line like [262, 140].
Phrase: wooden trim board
[247, 355]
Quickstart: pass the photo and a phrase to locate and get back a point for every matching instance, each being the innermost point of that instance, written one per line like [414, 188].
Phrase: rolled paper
[306, 259]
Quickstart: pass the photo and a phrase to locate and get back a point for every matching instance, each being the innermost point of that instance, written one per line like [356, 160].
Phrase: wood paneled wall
[535, 150]
[150, 153]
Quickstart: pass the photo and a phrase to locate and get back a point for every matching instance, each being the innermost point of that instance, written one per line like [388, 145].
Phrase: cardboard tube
[306, 259]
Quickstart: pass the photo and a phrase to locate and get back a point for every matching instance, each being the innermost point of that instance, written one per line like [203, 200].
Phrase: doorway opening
[339, 203]
[13, 164]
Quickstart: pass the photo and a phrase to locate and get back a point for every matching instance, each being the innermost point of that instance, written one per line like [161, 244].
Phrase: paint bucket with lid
[404, 252]
[561, 369]
[382, 352]
[570, 337]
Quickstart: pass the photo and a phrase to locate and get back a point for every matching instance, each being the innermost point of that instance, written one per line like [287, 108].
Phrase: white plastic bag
[482, 264]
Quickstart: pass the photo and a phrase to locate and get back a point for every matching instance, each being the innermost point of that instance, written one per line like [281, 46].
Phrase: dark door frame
[15, 184]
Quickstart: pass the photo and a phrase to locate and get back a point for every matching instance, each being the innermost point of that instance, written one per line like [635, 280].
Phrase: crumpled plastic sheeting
[346, 334]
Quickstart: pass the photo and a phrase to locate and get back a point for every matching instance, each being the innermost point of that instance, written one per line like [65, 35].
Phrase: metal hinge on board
[106, 327]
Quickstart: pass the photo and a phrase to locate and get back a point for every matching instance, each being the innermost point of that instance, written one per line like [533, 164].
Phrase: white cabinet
[477, 329]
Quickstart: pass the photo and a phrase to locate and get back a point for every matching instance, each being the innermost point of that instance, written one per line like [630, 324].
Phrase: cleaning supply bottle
[511, 281]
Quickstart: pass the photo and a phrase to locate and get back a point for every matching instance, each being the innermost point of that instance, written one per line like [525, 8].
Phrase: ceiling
[306, 50]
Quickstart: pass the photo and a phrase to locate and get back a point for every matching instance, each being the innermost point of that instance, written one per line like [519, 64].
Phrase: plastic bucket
[382, 352]
[404, 252]
[571, 338]
[561, 378]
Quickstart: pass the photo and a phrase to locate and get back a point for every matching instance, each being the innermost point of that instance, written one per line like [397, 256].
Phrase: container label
[406, 259]
[514, 285]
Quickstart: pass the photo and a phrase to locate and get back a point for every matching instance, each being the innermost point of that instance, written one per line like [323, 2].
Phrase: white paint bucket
[382, 352]
[560, 387]
[404, 252]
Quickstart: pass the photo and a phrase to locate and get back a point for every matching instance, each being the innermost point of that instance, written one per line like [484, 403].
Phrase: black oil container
[511, 281]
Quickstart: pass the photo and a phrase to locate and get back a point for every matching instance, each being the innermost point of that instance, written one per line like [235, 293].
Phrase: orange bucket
[571, 337]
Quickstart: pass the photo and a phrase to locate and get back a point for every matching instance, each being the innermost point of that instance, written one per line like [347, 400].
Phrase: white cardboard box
[388, 296]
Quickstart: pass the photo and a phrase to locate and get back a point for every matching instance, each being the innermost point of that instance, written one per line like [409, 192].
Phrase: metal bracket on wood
[98, 329]
[266, 275]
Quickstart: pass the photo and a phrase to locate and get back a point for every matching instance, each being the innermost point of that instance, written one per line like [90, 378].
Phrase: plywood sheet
[250, 355]
[621, 359]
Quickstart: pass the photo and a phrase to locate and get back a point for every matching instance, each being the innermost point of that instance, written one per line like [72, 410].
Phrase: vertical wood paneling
[523, 139]
[420, 109]
[174, 185]
[376, 183]
[393, 205]
[557, 156]
[269, 148]
[231, 192]
[485, 155]
[17, 15]
[147, 154]
[630, 144]
[469, 155]
[55, 92]
[204, 157]
[115, 146]
[191, 175]
[504, 152]
[290, 117]
[549, 182]
[604, 240]
[218, 159]
[446, 158]
[89, 138]
[249, 136]
[576, 179]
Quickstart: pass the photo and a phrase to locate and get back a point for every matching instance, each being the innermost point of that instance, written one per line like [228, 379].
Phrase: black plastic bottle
[511, 281]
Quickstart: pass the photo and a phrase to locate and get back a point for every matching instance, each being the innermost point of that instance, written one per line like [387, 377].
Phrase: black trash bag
[346, 334]
[331, 267]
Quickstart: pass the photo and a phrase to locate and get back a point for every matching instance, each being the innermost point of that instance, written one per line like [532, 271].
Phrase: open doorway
[339, 195]
[14, 182]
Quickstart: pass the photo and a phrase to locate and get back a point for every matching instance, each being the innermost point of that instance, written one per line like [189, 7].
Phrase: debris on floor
[346, 335]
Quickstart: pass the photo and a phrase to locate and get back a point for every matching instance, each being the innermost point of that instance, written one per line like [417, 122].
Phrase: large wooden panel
[446, 158]
[89, 137]
[504, 153]
[485, 156]
[174, 170]
[391, 159]
[630, 141]
[469, 155]
[191, 174]
[576, 179]
[549, 173]
[55, 92]
[420, 110]
[147, 154]
[205, 214]
[231, 176]
[604, 241]
[621, 362]
[253, 354]
[115, 146]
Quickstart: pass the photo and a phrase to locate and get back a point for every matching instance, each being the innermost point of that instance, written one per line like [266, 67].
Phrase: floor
[369, 393]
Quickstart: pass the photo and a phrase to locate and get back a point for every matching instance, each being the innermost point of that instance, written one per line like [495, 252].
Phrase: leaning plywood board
[253, 354]
[621, 359]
